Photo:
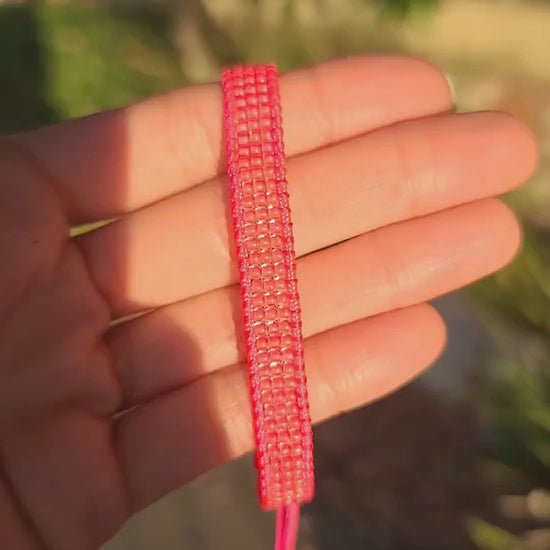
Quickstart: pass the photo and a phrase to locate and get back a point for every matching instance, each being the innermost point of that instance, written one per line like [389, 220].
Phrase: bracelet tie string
[271, 311]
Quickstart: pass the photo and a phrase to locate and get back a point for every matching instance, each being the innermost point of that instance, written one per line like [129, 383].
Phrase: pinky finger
[169, 441]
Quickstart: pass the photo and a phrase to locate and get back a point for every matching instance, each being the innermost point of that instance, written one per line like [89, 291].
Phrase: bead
[265, 243]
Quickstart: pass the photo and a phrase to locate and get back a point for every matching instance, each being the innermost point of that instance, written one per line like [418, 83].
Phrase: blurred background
[460, 459]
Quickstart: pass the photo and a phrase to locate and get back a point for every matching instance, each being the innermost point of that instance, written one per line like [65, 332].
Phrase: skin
[103, 412]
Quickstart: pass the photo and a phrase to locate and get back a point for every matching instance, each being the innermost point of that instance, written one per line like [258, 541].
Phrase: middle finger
[180, 247]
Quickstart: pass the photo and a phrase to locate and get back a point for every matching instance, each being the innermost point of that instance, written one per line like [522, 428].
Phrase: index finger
[114, 162]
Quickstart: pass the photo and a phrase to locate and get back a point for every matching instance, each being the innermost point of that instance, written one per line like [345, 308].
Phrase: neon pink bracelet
[267, 266]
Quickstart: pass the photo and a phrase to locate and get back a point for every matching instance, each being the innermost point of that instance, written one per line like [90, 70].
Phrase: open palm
[101, 411]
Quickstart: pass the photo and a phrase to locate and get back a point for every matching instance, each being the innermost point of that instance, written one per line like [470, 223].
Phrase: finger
[121, 160]
[181, 247]
[166, 443]
[387, 269]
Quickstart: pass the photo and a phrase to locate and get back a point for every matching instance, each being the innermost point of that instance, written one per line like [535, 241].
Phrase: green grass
[63, 61]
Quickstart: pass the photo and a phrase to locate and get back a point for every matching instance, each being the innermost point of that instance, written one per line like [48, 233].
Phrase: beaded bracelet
[267, 267]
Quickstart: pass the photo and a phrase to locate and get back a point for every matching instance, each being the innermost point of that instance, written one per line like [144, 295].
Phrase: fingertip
[510, 144]
[506, 230]
[491, 234]
[426, 84]
[435, 328]
[430, 77]
[426, 333]
[524, 144]
[365, 360]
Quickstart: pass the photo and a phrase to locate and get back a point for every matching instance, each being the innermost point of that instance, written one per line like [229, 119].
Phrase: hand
[102, 412]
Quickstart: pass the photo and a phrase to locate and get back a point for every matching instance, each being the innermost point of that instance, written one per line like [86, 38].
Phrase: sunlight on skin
[404, 190]
[413, 168]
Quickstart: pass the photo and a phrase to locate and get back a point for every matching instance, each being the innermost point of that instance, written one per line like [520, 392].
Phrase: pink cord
[286, 528]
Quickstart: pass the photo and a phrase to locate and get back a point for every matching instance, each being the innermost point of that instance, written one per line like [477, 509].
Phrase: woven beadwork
[265, 250]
